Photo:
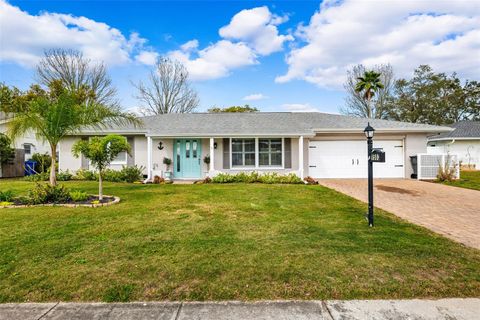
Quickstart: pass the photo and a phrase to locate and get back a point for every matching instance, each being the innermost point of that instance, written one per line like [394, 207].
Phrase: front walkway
[450, 211]
[464, 309]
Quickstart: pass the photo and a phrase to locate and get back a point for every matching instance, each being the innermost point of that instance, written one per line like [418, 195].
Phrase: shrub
[84, 174]
[6, 195]
[64, 176]
[44, 176]
[78, 195]
[112, 175]
[44, 162]
[45, 193]
[255, 177]
[132, 174]
[167, 162]
[447, 172]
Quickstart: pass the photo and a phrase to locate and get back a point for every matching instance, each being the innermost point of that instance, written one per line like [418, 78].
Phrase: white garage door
[348, 159]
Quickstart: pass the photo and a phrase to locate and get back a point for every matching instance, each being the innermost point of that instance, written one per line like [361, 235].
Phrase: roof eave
[453, 138]
[384, 130]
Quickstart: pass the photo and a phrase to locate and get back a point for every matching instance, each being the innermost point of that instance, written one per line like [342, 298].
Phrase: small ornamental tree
[101, 151]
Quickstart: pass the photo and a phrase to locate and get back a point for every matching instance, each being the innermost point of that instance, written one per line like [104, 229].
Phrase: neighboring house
[29, 143]
[464, 141]
[308, 144]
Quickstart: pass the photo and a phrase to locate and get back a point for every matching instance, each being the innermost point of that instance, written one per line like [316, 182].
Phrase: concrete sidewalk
[265, 310]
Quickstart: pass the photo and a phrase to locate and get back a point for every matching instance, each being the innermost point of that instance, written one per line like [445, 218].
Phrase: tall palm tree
[369, 84]
[57, 112]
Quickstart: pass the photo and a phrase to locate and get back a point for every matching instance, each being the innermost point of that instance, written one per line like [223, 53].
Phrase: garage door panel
[348, 159]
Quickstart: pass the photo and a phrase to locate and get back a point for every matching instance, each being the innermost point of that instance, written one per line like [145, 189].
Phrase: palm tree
[57, 112]
[369, 84]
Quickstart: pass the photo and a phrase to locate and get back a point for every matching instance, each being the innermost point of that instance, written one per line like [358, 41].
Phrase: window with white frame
[243, 152]
[270, 152]
[28, 148]
[121, 158]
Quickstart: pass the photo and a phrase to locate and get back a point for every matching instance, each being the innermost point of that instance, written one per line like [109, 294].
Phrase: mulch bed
[106, 201]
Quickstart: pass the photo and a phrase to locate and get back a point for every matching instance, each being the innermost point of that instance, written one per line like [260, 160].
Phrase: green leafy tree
[57, 112]
[101, 151]
[434, 98]
[369, 84]
[245, 108]
[6, 151]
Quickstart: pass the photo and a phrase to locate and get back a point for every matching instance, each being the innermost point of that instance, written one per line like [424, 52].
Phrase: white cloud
[25, 37]
[299, 107]
[443, 34]
[255, 96]
[251, 33]
[258, 28]
[216, 60]
[147, 57]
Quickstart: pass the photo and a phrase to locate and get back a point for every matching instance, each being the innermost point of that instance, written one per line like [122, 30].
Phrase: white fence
[429, 164]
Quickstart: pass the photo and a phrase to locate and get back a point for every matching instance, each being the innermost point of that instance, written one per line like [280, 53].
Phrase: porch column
[300, 156]
[212, 155]
[149, 158]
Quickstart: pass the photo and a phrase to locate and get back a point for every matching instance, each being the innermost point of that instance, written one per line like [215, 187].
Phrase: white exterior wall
[158, 155]
[415, 143]
[140, 152]
[468, 151]
[66, 160]
[29, 138]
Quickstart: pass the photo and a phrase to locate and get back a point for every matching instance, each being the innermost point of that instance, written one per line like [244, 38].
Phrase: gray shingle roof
[265, 123]
[463, 129]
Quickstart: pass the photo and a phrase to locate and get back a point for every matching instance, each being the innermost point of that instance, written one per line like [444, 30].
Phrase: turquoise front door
[187, 158]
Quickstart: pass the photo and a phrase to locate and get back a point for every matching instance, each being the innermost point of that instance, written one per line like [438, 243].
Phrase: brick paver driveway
[451, 211]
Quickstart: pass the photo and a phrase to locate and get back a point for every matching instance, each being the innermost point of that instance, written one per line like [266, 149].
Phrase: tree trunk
[53, 167]
[100, 186]
[369, 104]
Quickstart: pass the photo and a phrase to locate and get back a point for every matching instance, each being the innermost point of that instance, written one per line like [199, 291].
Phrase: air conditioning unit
[429, 164]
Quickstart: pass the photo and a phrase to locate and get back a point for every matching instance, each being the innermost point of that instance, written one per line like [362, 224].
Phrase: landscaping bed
[468, 179]
[223, 242]
[91, 201]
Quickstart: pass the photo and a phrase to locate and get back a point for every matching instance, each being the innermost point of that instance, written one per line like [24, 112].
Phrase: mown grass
[221, 242]
[468, 179]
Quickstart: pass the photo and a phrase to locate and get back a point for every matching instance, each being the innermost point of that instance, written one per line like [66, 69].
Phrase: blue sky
[275, 55]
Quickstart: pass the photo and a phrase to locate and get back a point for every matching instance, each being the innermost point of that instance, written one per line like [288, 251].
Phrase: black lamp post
[369, 133]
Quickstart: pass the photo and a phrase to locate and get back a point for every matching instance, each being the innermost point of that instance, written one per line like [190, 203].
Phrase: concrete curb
[455, 308]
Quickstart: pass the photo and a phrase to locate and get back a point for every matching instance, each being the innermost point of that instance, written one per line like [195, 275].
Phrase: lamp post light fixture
[369, 133]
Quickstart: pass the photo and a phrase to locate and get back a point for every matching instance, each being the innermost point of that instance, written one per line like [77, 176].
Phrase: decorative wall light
[214, 145]
[160, 145]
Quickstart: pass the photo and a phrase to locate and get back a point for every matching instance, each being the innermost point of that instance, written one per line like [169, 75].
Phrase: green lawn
[218, 242]
[468, 179]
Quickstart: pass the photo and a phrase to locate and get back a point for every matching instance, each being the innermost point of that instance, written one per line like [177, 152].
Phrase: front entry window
[194, 148]
[243, 152]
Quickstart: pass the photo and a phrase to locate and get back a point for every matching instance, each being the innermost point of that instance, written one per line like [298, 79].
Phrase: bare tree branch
[168, 89]
[355, 102]
[75, 71]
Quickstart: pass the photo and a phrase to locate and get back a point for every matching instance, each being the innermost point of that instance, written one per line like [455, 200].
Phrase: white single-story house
[28, 142]
[313, 144]
[463, 141]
